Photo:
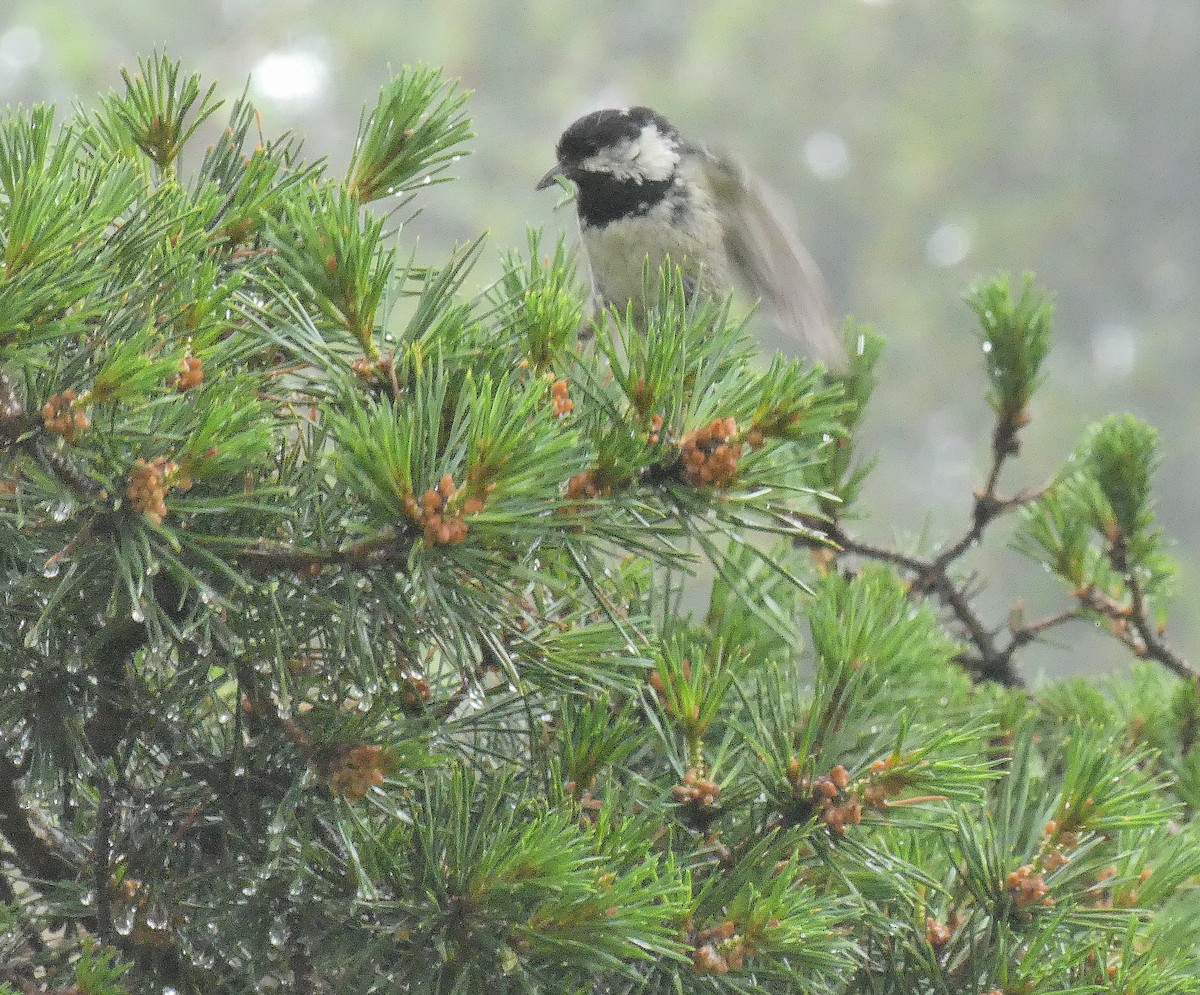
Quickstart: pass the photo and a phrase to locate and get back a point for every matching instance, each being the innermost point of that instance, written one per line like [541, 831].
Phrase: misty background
[922, 145]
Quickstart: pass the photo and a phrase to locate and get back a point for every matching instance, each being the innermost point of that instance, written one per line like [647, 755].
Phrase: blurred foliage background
[921, 143]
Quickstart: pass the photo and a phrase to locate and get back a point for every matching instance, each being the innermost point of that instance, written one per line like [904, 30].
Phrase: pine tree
[352, 643]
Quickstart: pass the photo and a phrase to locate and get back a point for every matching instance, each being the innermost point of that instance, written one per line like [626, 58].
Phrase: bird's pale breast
[684, 228]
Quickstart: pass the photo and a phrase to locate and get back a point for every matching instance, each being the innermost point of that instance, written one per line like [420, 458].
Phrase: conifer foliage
[346, 644]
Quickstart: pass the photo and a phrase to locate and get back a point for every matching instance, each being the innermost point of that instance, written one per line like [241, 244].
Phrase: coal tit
[643, 192]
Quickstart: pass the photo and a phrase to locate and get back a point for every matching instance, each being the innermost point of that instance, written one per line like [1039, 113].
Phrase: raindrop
[51, 567]
[987, 346]
[137, 615]
[62, 511]
[427, 180]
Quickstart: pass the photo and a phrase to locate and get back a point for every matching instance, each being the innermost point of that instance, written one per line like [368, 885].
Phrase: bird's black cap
[605, 128]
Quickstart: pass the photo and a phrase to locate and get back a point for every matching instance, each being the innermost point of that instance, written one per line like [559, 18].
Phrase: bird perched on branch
[645, 193]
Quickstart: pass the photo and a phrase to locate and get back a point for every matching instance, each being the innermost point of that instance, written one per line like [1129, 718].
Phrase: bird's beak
[548, 180]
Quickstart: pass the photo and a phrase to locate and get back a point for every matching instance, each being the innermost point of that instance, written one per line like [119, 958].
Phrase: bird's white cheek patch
[648, 158]
[656, 156]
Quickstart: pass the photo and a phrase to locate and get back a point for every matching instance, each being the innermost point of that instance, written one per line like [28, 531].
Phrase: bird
[643, 193]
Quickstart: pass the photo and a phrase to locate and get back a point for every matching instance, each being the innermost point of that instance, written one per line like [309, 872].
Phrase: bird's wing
[769, 263]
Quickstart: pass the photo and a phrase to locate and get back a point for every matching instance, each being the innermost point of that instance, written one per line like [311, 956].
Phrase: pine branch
[360, 643]
[32, 852]
[1155, 647]
[101, 856]
[112, 651]
[988, 661]
[1130, 624]
[1119, 452]
[390, 548]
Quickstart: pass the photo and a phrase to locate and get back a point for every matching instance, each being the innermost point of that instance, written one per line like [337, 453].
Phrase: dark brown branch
[112, 651]
[1156, 647]
[931, 577]
[389, 547]
[988, 507]
[102, 857]
[35, 856]
[1022, 635]
[1130, 624]
[989, 661]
